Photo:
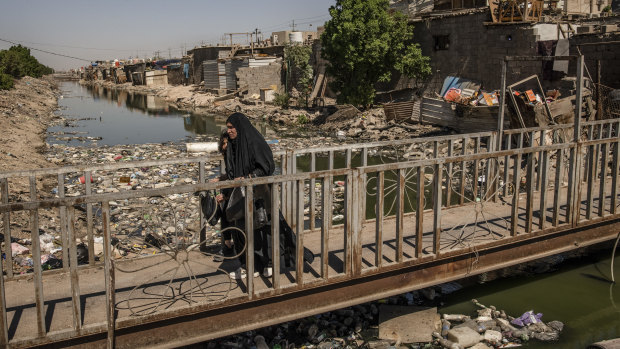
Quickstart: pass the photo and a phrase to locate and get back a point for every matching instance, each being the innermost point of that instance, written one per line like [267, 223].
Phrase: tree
[364, 42]
[17, 62]
[6, 81]
[298, 57]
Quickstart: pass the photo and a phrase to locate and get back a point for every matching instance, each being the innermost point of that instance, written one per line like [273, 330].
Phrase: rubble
[361, 326]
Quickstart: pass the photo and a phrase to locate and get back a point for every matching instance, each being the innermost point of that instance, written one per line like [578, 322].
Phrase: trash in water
[527, 318]
[24, 261]
[17, 249]
[152, 241]
[83, 180]
[82, 254]
[49, 261]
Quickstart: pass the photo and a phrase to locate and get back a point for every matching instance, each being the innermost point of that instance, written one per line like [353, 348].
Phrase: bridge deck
[163, 282]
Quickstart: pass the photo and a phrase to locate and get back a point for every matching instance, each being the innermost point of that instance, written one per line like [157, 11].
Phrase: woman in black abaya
[248, 156]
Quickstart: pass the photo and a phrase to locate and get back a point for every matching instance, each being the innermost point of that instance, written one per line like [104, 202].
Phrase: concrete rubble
[387, 323]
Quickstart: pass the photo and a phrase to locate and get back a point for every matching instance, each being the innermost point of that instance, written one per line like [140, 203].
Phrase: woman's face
[232, 131]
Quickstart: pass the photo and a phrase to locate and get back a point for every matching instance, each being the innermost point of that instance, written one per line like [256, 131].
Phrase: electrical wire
[309, 20]
[79, 47]
[280, 26]
[49, 52]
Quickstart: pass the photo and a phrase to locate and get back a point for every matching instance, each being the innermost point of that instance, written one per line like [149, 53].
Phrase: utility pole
[169, 53]
[293, 25]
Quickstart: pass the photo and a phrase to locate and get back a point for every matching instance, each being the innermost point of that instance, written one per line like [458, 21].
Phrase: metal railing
[545, 178]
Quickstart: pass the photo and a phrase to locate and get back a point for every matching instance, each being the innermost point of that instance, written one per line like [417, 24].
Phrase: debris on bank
[404, 321]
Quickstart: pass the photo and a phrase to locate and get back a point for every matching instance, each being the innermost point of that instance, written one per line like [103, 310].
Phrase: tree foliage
[299, 58]
[17, 62]
[364, 42]
[6, 82]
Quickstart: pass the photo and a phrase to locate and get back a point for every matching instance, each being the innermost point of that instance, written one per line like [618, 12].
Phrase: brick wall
[260, 77]
[608, 54]
[475, 50]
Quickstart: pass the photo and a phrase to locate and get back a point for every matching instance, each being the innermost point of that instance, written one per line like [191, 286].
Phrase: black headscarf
[248, 153]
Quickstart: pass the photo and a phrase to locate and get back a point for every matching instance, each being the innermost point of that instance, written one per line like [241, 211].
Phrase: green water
[579, 294]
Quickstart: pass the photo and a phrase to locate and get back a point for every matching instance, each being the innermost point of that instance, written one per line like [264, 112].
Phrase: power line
[315, 17]
[279, 26]
[77, 47]
[49, 52]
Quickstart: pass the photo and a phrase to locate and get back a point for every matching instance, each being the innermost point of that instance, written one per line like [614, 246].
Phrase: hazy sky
[121, 29]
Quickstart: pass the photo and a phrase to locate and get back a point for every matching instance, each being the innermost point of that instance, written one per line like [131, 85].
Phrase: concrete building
[467, 43]
[283, 37]
[415, 8]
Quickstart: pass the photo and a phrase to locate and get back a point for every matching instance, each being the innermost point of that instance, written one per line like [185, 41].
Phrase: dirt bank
[25, 113]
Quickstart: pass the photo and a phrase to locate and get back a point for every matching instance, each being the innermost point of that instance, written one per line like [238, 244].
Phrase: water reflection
[150, 104]
[102, 116]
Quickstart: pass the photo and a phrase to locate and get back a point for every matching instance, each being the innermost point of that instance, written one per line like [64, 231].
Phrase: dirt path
[25, 113]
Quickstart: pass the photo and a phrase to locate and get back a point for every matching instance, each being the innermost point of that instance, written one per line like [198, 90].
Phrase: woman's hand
[213, 180]
[219, 198]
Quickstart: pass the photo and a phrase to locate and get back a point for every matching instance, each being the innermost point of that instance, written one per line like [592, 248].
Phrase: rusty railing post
[357, 221]
[109, 274]
[379, 203]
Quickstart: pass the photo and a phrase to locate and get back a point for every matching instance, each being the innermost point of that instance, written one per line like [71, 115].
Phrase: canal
[577, 293]
[98, 116]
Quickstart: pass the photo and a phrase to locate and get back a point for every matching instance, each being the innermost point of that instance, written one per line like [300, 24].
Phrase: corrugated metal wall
[222, 73]
[211, 74]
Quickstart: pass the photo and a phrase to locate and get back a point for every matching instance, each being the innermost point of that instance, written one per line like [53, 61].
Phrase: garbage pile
[528, 97]
[358, 327]
[352, 327]
[472, 97]
[51, 253]
[141, 225]
[493, 328]
[467, 92]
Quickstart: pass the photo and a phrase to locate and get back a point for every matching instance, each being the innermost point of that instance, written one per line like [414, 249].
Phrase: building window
[442, 42]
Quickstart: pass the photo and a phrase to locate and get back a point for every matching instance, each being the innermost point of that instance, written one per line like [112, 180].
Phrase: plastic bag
[236, 202]
[210, 209]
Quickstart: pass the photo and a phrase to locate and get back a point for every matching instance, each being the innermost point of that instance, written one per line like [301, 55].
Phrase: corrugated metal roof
[253, 62]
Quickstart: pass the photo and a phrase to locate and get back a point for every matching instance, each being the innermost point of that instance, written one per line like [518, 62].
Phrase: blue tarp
[163, 62]
[458, 83]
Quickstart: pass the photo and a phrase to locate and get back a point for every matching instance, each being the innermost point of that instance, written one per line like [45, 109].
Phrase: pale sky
[115, 29]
